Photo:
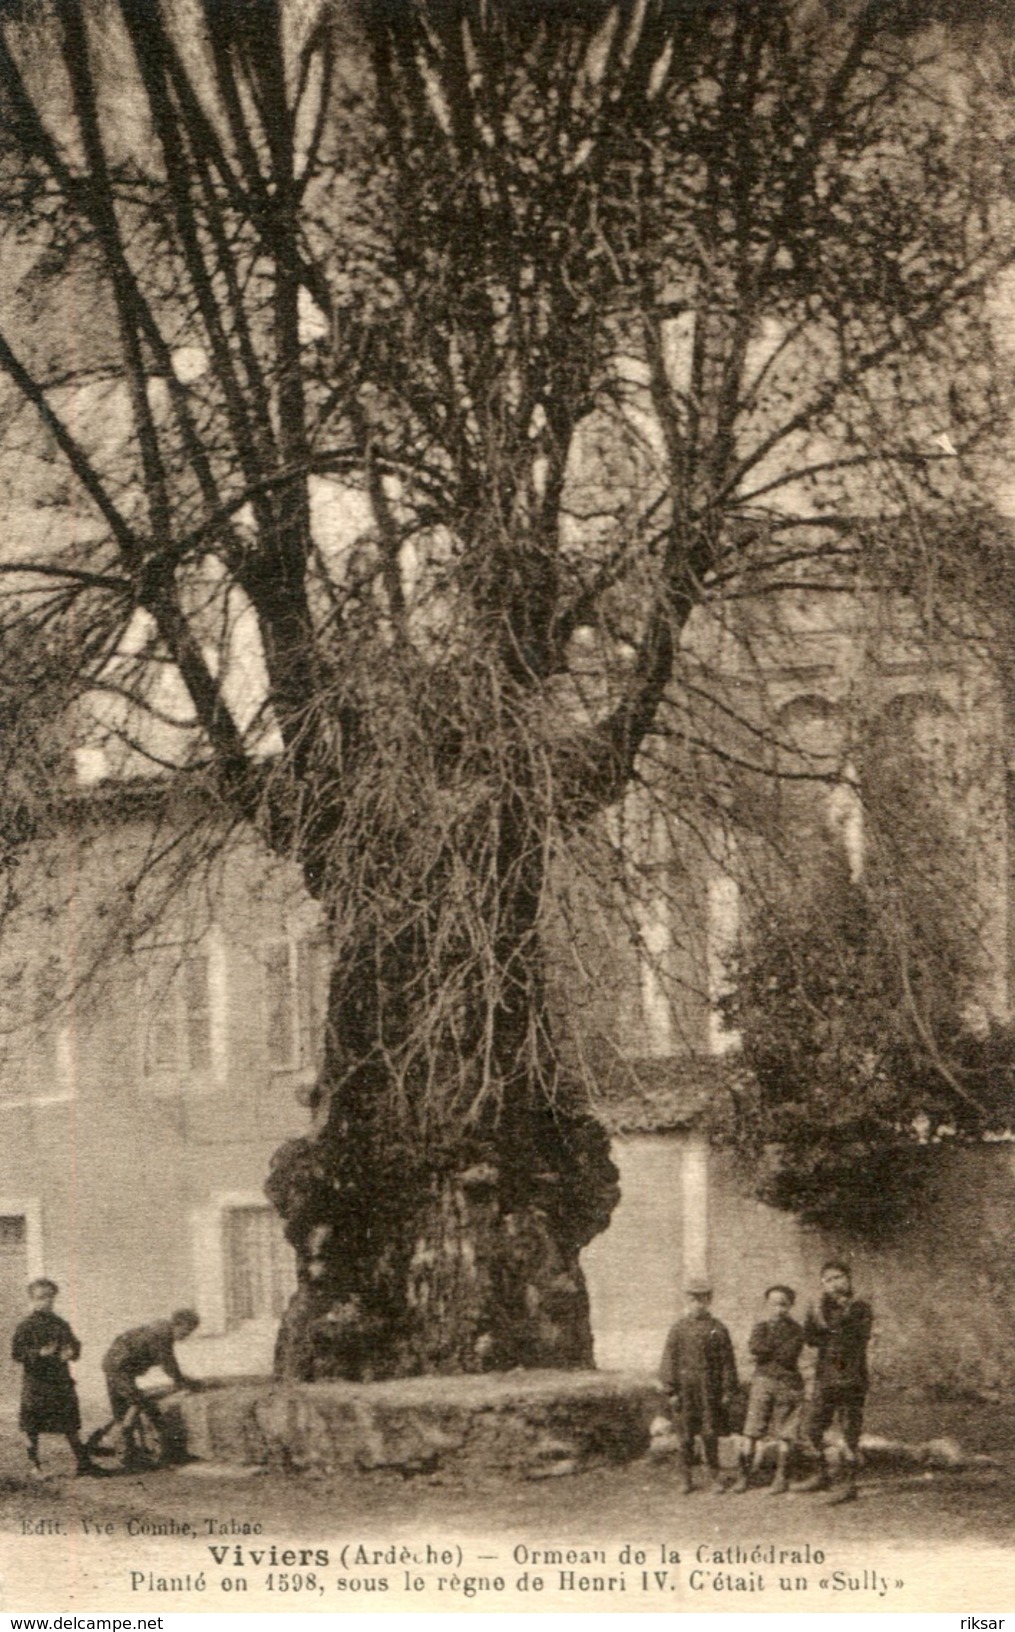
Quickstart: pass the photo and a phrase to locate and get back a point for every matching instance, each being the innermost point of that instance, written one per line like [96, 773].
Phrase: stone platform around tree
[532, 1424]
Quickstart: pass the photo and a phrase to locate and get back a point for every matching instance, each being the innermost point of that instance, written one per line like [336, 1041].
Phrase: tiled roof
[655, 1095]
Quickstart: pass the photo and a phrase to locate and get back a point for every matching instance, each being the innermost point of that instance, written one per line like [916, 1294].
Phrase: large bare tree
[460, 372]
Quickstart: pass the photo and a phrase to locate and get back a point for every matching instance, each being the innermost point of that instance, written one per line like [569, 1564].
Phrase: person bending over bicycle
[133, 1353]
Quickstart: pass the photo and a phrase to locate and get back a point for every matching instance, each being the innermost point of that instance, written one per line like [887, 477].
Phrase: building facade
[139, 1112]
[152, 1060]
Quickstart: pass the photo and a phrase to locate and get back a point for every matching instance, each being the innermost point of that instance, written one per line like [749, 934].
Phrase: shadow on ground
[918, 1507]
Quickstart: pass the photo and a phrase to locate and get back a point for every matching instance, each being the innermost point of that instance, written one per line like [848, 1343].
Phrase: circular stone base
[531, 1424]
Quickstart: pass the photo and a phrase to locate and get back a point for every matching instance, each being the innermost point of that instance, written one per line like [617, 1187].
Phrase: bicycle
[137, 1442]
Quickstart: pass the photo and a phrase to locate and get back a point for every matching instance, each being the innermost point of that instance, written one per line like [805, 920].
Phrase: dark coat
[137, 1351]
[841, 1335]
[777, 1345]
[699, 1370]
[49, 1399]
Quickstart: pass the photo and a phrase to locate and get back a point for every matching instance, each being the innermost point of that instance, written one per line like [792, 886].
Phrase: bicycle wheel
[147, 1440]
[110, 1445]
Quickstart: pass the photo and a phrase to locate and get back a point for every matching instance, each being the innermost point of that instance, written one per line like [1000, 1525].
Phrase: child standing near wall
[699, 1372]
[838, 1326]
[45, 1345]
[777, 1387]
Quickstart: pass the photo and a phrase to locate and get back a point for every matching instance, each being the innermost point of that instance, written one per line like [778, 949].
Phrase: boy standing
[45, 1345]
[777, 1388]
[699, 1373]
[839, 1327]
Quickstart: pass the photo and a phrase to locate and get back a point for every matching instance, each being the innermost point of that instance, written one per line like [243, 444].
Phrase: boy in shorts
[777, 1387]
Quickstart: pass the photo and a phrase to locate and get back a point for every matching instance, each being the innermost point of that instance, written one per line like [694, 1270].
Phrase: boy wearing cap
[839, 1327]
[699, 1372]
[777, 1388]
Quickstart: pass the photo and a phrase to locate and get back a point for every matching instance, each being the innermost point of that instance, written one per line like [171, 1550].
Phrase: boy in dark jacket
[777, 1388]
[839, 1327]
[699, 1373]
[133, 1353]
[45, 1345]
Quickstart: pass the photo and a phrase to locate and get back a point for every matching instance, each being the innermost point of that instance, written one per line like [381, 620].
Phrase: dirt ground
[641, 1497]
[638, 1500]
[496, 1525]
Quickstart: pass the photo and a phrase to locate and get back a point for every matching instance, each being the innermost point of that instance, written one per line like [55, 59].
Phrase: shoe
[779, 1485]
[848, 1493]
[817, 1481]
[717, 1485]
[687, 1485]
[91, 1470]
[739, 1485]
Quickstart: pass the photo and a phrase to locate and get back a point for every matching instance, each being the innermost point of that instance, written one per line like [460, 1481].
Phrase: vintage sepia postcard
[507, 663]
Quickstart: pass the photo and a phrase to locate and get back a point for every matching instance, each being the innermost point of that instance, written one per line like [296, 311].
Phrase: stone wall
[537, 1424]
[943, 1290]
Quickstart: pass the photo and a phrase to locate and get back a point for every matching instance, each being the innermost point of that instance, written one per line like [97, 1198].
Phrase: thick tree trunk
[437, 1229]
[467, 1266]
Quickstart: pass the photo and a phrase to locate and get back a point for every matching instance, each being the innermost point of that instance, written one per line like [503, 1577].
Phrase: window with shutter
[296, 996]
[259, 1262]
[13, 1231]
[33, 1021]
[280, 1007]
[175, 998]
[197, 1011]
